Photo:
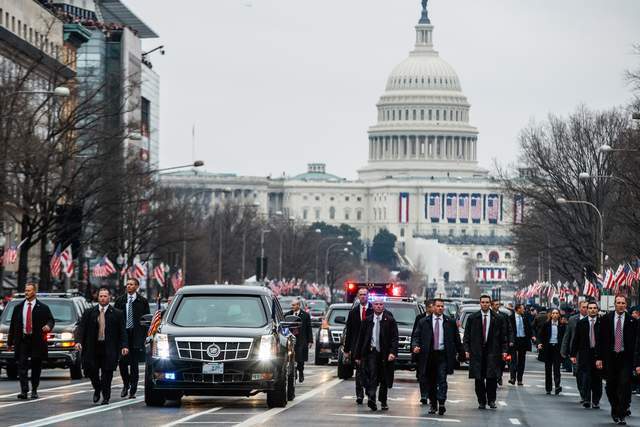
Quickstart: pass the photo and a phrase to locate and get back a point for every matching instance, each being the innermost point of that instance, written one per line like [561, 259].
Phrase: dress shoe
[423, 401]
[125, 391]
[384, 406]
[359, 401]
[442, 410]
[372, 405]
[582, 401]
[622, 422]
[433, 409]
[512, 381]
[22, 396]
[105, 402]
[558, 390]
[482, 406]
[586, 405]
[492, 405]
[548, 392]
[96, 396]
[615, 419]
[132, 396]
[34, 394]
[627, 413]
[500, 381]
[520, 383]
[595, 406]
[301, 377]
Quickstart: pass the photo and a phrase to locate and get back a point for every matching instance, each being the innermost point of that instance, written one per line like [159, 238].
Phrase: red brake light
[396, 291]
[351, 287]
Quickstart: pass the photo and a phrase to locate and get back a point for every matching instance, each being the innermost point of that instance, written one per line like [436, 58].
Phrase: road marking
[442, 420]
[514, 421]
[51, 389]
[22, 402]
[262, 418]
[502, 403]
[66, 416]
[571, 394]
[192, 416]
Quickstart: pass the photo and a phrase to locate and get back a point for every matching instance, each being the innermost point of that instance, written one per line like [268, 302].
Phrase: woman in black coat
[550, 340]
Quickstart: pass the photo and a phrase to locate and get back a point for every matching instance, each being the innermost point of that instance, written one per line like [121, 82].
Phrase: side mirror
[341, 320]
[145, 320]
[291, 321]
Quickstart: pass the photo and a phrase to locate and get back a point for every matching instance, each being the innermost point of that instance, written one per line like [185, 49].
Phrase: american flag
[104, 268]
[434, 207]
[518, 209]
[11, 255]
[109, 268]
[177, 280]
[463, 210]
[66, 258]
[493, 208]
[55, 263]
[139, 270]
[620, 276]
[590, 289]
[476, 207]
[609, 281]
[158, 274]
[452, 208]
[630, 275]
[155, 321]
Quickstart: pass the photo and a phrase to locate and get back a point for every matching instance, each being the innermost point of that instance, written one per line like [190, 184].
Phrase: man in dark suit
[415, 357]
[437, 339]
[133, 306]
[377, 349]
[523, 335]
[615, 354]
[304, 337]
[569, 335]
[583, 355]
[352, 330]
[102, 338]
[495, 307]
[31, 321]
[485, 346]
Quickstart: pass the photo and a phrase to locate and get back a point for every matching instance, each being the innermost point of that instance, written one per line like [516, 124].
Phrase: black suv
[222, 340]
[67, 310]
[330, 333]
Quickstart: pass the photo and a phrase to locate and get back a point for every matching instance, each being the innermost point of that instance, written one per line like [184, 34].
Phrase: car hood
[214, 332]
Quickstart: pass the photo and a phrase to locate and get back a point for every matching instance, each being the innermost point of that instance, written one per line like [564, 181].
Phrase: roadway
[322, 400]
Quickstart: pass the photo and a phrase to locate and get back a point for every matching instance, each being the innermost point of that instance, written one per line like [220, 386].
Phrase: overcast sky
[274, 84]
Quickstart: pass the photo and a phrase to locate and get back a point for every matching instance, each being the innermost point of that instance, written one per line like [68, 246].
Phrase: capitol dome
[423, 127]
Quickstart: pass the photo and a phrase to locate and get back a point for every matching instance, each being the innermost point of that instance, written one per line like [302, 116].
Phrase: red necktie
[28, 326]
[364, 312]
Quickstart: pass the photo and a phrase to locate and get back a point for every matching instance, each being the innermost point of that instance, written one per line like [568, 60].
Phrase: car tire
[152, 397]
[291, 382]
[317, 360]
[12, 372]
[75, 370]
[277, 398]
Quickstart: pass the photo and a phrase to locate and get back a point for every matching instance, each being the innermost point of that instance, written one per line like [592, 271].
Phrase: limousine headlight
[161, 346]
[267, 349]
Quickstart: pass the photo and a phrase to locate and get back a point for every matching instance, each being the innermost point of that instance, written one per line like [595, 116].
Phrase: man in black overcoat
[522, 337]
[377, 350]
[304, 336]
[133, 306]
[102, 339]
[31, 321]
[583, 355]
[437, 340]
[615, 354]
[485, 346]
[415, 357]
[356, 318]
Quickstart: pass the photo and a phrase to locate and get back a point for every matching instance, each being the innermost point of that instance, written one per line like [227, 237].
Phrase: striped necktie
[130, 313]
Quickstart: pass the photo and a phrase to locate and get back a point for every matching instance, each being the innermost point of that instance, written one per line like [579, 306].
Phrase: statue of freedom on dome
[425, 14]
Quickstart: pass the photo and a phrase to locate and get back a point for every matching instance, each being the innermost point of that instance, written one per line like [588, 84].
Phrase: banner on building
[493, 208]
[476, 208]
[452, 207]
[518, 209]
[463, 208]
[434, 207]
[403, 210]
[491, 274]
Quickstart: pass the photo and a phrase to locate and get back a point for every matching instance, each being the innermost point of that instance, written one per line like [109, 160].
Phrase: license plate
[213, 368]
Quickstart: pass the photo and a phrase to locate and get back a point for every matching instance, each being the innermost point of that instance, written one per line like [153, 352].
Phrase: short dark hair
[518, 306]
[430, 302]
[435, 300]
[104, 288]
[621, 296]
[592, 303]
[133, 279]
[483, 296]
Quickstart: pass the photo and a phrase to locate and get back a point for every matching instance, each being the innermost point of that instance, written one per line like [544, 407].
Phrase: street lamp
[562, 201]
[196, 164]
[60, 92]
[320, 244]
[606, 148]
[326, 259]
[584, 176]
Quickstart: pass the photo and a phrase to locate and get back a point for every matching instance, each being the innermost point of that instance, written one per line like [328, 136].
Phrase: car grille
[212, 378]
[335, 336]
[404, 344]
[195, 348]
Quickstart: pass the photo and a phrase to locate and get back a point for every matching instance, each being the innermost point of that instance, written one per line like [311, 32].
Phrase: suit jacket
[416, 357]
[115, 336]
[544, 337]
[569, 335]
[423, 338]
[140, 308]
[40, 316]
[510, 333]
[388, 342]
[605, 347]
[522, 344]
[352, 328]
[304, 336]
[495, 346]
[581, 343]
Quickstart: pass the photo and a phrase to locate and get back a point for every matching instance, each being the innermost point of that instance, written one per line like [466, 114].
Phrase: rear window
[63, 311]
[404, 314]
[344, 312]
[220, 311]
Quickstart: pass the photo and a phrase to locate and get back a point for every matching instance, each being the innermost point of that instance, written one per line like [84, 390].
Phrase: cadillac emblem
[213, 350]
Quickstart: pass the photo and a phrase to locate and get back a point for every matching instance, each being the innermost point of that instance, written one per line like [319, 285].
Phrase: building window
[402, 232]
[317, 213]
[494, 256]
[479, 256]
[451, 232]
[421, 114]
[359, 215]
[437, 114]
[332, 213]
[406, 114]
[331, 198]
[304, 197]
[430, 115]
[434, 232]
[305, 214]
[465, 253]
[359, 199]
[346, 199]
[317, 198]
[507, 256]
[393, 115]
[346, 215]
[415, 115]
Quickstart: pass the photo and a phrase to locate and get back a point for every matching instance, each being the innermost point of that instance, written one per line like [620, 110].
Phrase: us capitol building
[422, 181]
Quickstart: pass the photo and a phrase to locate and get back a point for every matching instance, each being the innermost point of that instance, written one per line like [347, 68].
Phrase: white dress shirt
[488, 314]
[440, 325]
[24, 315]
[554, 332]
[520, 333]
